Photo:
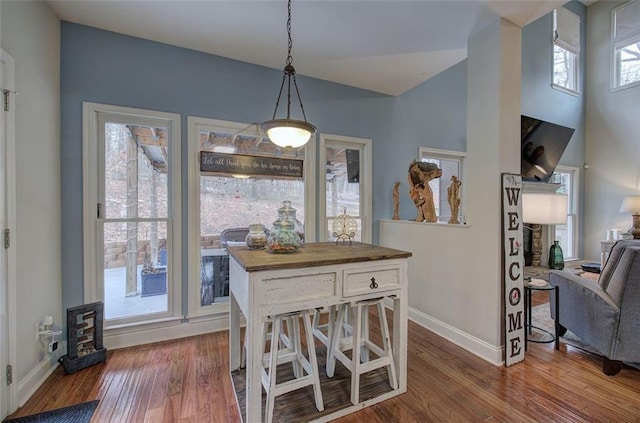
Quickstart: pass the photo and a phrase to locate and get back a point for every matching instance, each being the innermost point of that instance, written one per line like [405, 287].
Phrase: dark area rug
[78, 413]
[541, 317]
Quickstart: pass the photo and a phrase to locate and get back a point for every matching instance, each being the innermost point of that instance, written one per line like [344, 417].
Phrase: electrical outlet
[53, 346]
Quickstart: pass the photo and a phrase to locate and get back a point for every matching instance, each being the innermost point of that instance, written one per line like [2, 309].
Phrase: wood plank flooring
[187, 380]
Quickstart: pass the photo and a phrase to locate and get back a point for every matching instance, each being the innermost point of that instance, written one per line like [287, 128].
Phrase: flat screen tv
[542, 146]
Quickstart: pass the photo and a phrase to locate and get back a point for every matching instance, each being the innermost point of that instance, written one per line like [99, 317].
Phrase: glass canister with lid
[283, 238]
[288, 211]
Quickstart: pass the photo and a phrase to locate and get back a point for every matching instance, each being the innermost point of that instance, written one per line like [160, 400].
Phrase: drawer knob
[373, 284]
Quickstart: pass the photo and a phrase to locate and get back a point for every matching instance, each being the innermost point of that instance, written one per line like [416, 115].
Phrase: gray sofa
[605, 314]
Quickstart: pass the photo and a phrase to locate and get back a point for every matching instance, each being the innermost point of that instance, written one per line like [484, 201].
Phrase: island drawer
[299, 288]
[372, 279]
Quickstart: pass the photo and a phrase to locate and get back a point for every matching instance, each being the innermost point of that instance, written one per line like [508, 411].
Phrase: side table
[547, 337]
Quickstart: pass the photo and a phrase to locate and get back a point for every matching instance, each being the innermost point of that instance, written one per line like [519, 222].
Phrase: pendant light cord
[290, 43]
[289, 72]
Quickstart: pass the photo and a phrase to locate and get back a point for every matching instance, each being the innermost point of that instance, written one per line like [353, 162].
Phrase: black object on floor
[78, 413]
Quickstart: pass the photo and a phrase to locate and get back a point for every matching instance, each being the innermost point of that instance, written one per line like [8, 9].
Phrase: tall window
[567, 234]
[626, 45]
[222, 206]
[131, 251]
[347, 176]
[452, 164]
[566, 48]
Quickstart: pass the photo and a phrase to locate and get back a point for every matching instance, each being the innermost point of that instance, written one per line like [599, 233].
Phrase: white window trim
[461, 156]
[575, 207]
[195, 125]
[613, 74]
[93, 274]
[576, 64]
[365, 182]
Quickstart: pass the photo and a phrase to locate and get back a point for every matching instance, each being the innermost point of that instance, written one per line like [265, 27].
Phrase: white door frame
[8, 393]
[366, 213]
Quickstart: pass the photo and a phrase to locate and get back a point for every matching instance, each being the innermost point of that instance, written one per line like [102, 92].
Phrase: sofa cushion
[612, 262]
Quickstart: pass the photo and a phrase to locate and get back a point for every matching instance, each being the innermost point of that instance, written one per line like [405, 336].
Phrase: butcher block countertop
[313, 254]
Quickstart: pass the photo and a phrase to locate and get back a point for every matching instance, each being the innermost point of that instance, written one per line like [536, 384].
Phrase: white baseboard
[140, 335]
[470, 343]
[36, 377]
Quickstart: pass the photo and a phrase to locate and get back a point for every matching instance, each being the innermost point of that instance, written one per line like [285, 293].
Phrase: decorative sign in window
[241, 164]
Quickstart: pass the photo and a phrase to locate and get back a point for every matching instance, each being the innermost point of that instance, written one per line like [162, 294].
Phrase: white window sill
[565, 90]
[413, 222]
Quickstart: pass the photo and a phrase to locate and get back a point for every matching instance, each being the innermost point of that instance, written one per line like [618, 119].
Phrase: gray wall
[612, 140]
[110, 68]
[434, 114]
[541, 101]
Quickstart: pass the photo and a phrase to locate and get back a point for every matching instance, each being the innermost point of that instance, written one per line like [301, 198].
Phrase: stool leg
[293, 326]
[331, 322]
[243, 351]
[355, 352]
[335, 339]
[313, 360]
[273, 366]
[386, 344]
[364, 350]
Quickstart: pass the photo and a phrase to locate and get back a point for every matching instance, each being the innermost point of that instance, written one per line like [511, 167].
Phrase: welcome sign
[513, 261]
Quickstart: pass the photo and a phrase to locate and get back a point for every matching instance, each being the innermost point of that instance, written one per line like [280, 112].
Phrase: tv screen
[542, 146]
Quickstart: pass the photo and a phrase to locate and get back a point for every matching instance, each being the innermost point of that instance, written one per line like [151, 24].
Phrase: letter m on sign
[513, 263]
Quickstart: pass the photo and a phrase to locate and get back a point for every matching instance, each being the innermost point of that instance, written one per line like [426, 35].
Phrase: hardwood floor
[188, 380]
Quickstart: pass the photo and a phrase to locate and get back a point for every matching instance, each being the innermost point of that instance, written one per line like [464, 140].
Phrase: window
[131, 213]
[452, 164]
[567, 234]
[222, 206]
[347, 176]
[566, 48]
[626, 45]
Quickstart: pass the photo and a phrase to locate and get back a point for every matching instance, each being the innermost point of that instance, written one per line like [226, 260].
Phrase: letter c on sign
[511, 266]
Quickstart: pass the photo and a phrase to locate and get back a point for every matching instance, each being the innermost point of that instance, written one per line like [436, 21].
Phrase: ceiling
[387, 46]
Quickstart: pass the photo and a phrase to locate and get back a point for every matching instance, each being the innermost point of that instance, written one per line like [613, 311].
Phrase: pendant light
[289, 132]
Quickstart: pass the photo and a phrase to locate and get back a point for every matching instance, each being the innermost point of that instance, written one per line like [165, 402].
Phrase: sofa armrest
[585, 288]
[586, 310]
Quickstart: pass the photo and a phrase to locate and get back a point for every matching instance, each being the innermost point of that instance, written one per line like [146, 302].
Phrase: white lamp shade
[544, 208]
[288, 132]
[630, 205]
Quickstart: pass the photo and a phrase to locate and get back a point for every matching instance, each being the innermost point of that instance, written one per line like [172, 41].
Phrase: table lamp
[545, 209]
[632, 205]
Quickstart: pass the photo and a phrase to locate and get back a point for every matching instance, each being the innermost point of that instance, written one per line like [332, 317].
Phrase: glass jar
[290, 212]
[256, 238]
[283, 238]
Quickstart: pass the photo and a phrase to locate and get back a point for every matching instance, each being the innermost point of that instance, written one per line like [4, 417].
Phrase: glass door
[347, 175]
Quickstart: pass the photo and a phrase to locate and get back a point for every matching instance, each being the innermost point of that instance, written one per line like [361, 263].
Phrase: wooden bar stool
[360, 345]
[283, 339]
[291, 353]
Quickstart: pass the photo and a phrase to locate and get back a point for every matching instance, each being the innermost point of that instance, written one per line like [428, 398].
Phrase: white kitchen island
[263, 284]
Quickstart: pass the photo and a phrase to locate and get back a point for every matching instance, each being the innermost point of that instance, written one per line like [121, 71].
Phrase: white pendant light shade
[288, 133]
